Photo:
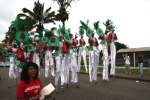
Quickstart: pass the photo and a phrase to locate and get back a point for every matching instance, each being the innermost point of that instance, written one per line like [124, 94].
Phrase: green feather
[99, 31]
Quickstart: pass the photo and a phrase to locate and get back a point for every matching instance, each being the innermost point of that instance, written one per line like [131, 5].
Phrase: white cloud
[131, 17]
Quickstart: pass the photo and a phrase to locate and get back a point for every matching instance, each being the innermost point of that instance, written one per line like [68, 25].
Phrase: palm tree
[63, 14]
[10, 35]
[38, 16]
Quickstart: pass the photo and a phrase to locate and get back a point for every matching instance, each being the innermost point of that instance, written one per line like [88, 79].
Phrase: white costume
[58, 69]
[74, 67]
[92, 67]
[82, 53]
[113, 58]
[65, 71]
[93, 60]
[105, 61]
[48, 63]
[12, 68]
[96, 63]
[96, 56]
[36, 59]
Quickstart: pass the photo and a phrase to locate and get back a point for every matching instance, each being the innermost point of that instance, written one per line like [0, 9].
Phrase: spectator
[29, 86]
[140, 64]
[127, 63]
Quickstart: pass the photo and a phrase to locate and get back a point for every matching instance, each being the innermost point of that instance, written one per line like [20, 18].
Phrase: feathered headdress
[86, 28]
[99, 31]
[64, 33]
[109, 25]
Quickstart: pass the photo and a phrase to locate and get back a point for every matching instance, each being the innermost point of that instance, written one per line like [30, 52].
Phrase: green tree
[38, 16]
[63, 14]
[120, 46]
[10, 35]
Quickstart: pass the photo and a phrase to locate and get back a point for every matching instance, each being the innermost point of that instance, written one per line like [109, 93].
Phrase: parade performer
[74, 64]
[92, 60]
[104, 42]
[65, 67]
[82, 53]
[66, 41]
[48, 62]
[105, 56]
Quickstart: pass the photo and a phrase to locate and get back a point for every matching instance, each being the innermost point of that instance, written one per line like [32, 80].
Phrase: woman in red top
[29, 86]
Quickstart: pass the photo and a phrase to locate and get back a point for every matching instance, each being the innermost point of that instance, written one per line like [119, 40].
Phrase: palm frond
[50, 15]
[24, 15]
[66, 5]
[25, 10]
[49, 21]
[47, 10]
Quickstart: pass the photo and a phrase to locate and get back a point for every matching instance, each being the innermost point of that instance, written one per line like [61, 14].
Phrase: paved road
[115, 89]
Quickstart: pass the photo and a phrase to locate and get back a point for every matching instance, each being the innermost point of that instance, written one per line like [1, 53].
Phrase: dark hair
[24, 73]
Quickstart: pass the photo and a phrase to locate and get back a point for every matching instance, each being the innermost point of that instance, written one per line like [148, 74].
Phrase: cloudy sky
[131, 17]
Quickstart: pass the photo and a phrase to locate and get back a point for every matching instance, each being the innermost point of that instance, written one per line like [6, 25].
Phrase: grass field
[132, 72]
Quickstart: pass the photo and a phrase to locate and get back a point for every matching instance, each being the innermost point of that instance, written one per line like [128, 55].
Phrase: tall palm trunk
[63, 24]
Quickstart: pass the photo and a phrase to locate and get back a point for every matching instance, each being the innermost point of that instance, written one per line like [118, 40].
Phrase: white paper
[47, 90]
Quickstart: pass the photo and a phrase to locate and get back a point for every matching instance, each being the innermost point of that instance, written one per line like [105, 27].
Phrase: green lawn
[133, 72]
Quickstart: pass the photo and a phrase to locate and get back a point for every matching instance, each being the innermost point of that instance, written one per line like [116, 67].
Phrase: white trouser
[65, 71]
[36, 60]
[46, 70]
[82, 53]
[96, 57]
[74, 69]
[69, 62]
[113, 58]
[58, 69]
[92, 67]
[49, 63]
[105, 62]
[12, 69]
[52, 69]
[12, 72]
